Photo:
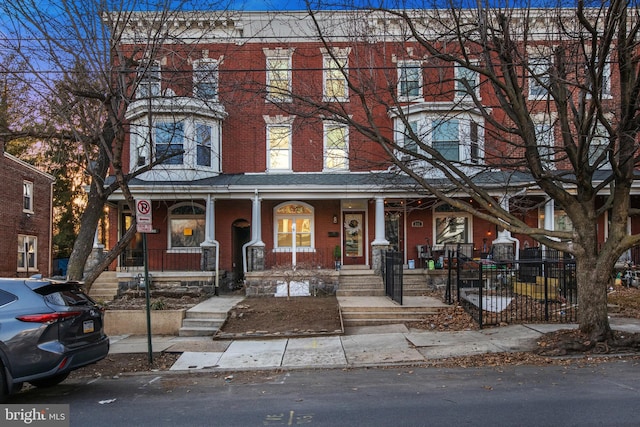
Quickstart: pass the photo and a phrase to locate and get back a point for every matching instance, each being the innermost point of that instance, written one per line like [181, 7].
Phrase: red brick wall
[15, 221]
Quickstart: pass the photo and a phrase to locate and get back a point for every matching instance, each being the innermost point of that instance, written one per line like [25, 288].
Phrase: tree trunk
[592, 281]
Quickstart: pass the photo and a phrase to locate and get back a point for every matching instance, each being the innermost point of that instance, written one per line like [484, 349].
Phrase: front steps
[201, 324]
[363, 311]
[105, 287]
[359, 282]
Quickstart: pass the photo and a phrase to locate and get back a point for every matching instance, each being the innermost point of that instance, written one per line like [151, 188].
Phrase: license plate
[87, 326]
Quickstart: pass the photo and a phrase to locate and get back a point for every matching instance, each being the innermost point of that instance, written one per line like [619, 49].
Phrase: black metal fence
[392, 271]
[531, 290]
[188, 259]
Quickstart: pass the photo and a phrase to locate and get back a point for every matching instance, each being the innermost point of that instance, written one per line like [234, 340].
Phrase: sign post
[144, 224]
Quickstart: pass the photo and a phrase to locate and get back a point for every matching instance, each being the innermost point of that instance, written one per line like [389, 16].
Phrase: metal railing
[534, 290]
[189, 259]
[316, 258]
[392, 274]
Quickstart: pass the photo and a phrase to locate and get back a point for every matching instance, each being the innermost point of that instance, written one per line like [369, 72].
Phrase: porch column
[549, 223]
[503, 245]
[380, 243]
[253, 258]
[97, 253]
[209, 247]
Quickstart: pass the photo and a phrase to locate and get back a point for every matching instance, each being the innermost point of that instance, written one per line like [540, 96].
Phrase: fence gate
[392, 274]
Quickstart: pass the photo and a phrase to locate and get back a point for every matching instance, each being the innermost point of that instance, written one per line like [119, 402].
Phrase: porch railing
[317, 258]
[162, 259]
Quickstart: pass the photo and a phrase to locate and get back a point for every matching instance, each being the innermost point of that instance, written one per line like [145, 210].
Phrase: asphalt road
[576, 395]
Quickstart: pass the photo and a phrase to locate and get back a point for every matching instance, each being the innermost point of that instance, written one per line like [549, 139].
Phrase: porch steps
[359, 282]
[414, 282]
[105, 287]
[375, 316]
[201, 323]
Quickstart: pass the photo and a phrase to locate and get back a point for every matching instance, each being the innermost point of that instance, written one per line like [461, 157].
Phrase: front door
[353, 238]
[132, 256]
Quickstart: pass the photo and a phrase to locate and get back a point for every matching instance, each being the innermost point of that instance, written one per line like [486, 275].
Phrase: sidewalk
[358, 347]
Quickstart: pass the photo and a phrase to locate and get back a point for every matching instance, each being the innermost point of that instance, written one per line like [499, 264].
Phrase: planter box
[134, 322]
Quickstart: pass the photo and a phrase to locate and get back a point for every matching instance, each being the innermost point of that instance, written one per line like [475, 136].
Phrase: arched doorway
[240, 234]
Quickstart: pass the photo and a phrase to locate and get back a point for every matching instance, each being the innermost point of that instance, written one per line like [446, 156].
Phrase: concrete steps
[105, 288]
[360, 282]
[206, 318]
[372, 316]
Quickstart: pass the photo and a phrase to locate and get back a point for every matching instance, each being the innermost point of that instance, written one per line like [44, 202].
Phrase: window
[279, 147]
[545, 142]
[450, 225]
[467, 82]
[539, 79]
[186, 225]
[169, 142]
[205, 79]
[203, 144]
[288, 214]
[335, 82]
[409, 142]
[27, 253]
[474, 139]
[336, 147]
[279, 79]
[27, 196]
[598, 146]
[446, 139]
[148, 80]
[409, 80]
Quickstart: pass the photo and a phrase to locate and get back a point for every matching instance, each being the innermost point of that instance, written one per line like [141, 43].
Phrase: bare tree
[85, 73]
[554, 91]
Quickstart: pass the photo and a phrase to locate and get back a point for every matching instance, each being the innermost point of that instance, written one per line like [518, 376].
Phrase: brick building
[247, 184]
[26, 211]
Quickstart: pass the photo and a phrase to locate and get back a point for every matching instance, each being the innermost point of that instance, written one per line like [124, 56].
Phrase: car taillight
[49, 317]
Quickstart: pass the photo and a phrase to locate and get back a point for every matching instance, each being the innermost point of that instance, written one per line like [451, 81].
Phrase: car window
[64, 294]
[6, 298]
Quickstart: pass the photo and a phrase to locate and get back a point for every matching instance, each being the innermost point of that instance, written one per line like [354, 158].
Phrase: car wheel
[50, 381]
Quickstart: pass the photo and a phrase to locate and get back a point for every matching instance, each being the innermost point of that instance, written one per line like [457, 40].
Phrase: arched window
[186, 226]
[287, 214]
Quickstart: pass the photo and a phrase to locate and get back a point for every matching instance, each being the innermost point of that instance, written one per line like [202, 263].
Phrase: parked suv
[47, 329]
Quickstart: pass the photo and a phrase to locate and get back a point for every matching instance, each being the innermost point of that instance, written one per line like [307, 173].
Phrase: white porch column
[504, 243]
[210, 222]
[549, 213]
[379, 238]
[96, 243]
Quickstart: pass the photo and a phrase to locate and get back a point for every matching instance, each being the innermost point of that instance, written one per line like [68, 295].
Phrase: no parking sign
[144, 221]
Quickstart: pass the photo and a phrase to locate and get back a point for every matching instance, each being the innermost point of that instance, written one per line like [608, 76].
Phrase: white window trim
[213, 77]
[326, 127]
[146, 76]
[289, 167]
[459, 93]
[410, 64]
[32, 241]
[328, 62]
[27, 187]
[276, 217]
[283, 54]
[457, 214]
[171, 215]
[534, 63]
[546, 121]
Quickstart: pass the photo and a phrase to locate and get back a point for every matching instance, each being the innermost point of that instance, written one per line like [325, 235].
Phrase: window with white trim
[148, 80]
[186, 225]
[335, 81]
[450, 225]
[203, 144]
[545, 142]
[409, 80]
[539, 78]
[467, 82]
[205, 79]
[27, 196]
[288, 214]
[27, 253]
[598, 146]
[336, 147]
[278, 82]
[169, 142]
[279, 147]
[408, 141]
[446, 138]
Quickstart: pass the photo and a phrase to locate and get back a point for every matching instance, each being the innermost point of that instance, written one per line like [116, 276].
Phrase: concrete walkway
[358, 347]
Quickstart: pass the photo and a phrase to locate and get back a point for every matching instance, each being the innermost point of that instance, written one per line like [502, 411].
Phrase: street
[576, 395]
